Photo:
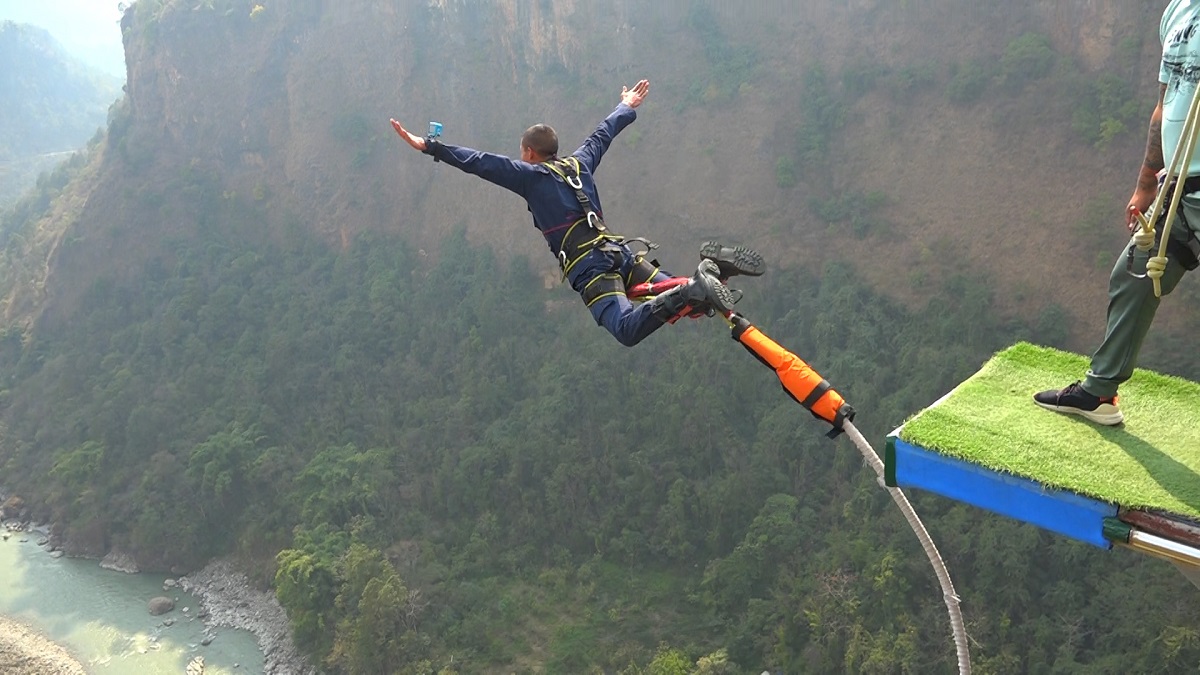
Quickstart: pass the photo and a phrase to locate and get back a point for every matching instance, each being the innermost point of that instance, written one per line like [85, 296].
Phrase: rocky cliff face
[284, 106]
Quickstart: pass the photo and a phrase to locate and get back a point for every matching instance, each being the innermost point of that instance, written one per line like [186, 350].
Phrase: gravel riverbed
[231, 600]
[24, 651]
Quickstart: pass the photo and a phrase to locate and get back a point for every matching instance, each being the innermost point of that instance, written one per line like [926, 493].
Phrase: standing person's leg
[1131, 309]
[1132, 306]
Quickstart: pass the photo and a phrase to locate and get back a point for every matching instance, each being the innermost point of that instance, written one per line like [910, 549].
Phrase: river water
[100, 616]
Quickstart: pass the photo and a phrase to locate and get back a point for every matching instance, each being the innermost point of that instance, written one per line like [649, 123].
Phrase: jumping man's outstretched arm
[412, 139]
[503, 171]
[593, 148]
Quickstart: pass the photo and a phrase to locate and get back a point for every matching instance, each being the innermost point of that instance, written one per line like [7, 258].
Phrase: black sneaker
[733, 260]
[1076, 400]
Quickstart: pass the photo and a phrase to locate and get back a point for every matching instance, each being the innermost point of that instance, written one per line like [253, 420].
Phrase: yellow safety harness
[588, 234]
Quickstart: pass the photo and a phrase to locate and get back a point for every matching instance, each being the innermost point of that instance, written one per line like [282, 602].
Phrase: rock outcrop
[119, 561]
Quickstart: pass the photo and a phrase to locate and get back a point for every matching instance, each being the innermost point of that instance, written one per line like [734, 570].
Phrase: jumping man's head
[538, 144]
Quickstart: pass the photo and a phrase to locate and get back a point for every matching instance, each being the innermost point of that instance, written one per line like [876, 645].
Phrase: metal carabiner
[562, 264]
[1129, 262]
[574, 181]
[594, 221]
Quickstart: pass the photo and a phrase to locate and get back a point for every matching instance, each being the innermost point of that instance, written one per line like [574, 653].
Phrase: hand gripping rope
[1181, 160]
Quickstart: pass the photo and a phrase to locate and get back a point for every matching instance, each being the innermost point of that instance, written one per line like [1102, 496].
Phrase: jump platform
[987, 444]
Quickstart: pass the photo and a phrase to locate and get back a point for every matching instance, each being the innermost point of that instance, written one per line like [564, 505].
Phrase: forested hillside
[250, 323]
[50, 105]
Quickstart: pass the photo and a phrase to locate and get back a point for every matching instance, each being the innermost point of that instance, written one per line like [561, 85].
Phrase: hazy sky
[88, 29]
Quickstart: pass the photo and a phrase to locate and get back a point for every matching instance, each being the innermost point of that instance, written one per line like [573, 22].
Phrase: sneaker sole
[1106, 414]
[733, 260]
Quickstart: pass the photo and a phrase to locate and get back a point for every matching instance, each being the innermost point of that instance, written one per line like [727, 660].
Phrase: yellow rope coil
[1154, 269]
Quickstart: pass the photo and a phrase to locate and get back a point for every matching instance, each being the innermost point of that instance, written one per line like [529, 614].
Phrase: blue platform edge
[1067, 513]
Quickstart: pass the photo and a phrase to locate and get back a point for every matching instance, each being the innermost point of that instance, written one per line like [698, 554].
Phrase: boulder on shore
[160, 605]
[119, 561]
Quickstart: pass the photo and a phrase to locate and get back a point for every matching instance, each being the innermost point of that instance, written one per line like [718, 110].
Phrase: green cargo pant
[1131, 308]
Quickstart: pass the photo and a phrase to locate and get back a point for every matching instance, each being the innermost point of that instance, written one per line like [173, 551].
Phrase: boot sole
[1108, 415]
[733, 260]
[722, 298]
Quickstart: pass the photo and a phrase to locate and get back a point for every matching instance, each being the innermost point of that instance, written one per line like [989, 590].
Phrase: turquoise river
[100, 616]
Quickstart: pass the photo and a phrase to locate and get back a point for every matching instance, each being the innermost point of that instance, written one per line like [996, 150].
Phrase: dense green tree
[377, 632]
[307, 588]
[1028, 57]
[482, 491]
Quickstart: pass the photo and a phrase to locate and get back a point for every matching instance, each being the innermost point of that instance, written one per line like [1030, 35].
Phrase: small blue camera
[435, 129]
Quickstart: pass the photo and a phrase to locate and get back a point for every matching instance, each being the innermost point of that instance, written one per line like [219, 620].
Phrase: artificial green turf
[1152, 461]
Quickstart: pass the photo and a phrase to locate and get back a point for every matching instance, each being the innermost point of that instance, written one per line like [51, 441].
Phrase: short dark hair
[541, 139]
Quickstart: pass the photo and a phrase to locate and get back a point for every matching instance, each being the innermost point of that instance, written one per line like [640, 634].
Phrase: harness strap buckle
[650, 246]
[595, 222]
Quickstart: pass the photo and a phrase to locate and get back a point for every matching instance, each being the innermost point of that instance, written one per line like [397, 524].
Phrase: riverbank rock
[231, 600]
[160, 605]
[119, 561]
[13, 507]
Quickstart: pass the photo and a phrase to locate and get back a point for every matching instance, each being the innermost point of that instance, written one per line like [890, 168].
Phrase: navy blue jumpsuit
[555, 208]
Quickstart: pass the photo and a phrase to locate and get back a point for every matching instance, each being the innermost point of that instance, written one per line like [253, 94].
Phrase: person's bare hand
[633, 97]
[1138, 203]
[412, 139]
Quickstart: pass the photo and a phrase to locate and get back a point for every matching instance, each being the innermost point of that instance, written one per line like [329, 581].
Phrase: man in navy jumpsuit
[555, 207]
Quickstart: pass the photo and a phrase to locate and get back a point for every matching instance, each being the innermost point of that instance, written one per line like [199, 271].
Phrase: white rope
[1180, 163]
[935, 558]
[1176, 167]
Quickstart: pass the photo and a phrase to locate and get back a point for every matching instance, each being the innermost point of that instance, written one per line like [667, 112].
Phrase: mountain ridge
[53, 103]
[253, 322]
[709, 140]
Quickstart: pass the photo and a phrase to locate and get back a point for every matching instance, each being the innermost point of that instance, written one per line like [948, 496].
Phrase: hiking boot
[1076, 400]
[704, 294]
[733, 260]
